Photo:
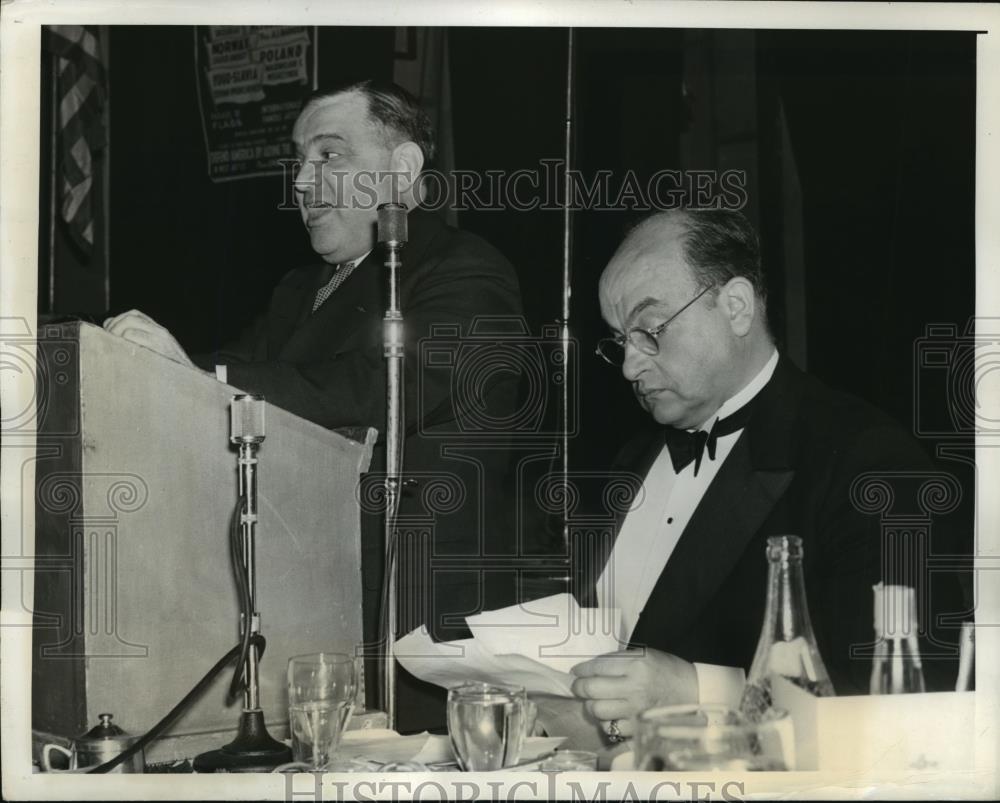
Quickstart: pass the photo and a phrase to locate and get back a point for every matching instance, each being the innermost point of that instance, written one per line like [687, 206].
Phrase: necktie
[340, 274]
[689, 447]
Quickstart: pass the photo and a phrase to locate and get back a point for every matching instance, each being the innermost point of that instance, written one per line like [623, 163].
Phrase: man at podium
[318, 352]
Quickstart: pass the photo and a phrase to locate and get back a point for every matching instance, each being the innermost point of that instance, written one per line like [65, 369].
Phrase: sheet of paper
[382, 745]
[532, 645]
[554, 631]
[438, 748]
[570, 717]
[452, 663]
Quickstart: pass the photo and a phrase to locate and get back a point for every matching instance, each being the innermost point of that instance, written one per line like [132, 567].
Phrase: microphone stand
[567, 283]
[253, 748]
[392, 233]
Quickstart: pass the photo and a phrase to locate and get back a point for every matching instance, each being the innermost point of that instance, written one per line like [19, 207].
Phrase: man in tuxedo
[743, 446]
[317, 352]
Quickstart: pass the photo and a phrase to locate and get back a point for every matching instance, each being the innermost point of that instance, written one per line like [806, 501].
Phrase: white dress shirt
[653, 526]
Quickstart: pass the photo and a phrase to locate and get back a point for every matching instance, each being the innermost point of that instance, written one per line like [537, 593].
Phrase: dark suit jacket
[791, 472]
[328, 367]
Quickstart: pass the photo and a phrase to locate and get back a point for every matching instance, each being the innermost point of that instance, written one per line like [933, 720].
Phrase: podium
[135, 600]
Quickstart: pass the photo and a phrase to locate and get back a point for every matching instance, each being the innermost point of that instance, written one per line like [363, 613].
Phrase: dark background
[882, 129]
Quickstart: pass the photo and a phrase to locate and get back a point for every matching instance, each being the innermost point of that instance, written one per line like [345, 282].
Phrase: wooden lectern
[135, 600]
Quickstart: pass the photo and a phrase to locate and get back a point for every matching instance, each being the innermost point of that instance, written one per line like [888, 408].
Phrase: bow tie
[689, 447]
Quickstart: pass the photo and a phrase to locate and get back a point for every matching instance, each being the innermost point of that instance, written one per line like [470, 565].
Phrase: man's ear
[739, 304]
[406, 163]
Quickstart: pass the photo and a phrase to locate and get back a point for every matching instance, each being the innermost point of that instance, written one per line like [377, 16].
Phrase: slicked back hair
[719, 245]
[392, 109]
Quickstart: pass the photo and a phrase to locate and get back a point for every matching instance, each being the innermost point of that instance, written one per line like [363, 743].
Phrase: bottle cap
[895, 611]
[784, 548]
[105, 729]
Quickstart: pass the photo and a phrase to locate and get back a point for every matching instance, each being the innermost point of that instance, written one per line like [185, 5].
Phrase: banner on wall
[252, 80]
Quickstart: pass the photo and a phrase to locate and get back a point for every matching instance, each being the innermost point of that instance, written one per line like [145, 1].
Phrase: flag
[80, 90]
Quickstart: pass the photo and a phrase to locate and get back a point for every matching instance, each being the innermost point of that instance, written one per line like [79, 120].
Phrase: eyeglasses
[612, 349]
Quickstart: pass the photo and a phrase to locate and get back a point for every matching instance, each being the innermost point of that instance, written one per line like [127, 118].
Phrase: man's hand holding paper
[617, 686]
[553, 631]
[567, 657]
[534, 644]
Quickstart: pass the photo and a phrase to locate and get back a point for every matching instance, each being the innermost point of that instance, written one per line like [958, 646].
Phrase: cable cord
[237, 556]
[238, 560]
[391, 570]
[189, 698]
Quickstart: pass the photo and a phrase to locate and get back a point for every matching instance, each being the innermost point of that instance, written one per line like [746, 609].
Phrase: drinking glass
[712, 737]
[487, 724]
[321, 691]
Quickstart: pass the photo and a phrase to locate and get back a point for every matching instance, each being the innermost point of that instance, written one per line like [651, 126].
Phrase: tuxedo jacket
[328, 366]
[800, 467]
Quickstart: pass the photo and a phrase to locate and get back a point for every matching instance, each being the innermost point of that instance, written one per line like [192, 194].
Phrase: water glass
[321, 691]
[487, 724]
[711, 737]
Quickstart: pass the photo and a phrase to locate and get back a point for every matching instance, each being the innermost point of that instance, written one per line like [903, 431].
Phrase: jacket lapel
[340, 317]
[350, 312]
[730, 513]
[753, 478]
[632, 466]
[285, 312]
[308, 297]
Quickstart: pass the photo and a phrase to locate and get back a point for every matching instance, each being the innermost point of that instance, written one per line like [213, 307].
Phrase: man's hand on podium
[144, 331]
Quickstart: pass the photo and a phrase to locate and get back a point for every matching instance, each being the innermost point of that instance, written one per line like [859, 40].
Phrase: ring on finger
[615, 735]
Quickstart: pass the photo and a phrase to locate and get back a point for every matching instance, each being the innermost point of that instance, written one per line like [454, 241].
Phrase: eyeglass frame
[652, 335]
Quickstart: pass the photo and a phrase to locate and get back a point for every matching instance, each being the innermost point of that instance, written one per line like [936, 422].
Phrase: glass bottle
[896, 668]
[787, 645]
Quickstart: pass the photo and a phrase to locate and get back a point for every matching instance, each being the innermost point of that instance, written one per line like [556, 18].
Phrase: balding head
[714, 346]
[647, 251]
[718, 245]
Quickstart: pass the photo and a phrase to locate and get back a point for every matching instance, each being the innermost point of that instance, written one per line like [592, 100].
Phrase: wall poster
[252, 80]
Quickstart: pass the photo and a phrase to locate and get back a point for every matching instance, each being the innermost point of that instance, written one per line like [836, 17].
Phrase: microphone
[246, 419]
[392, 225]
[253, 749]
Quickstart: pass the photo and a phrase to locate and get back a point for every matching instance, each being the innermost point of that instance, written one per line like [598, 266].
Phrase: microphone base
[253, 749]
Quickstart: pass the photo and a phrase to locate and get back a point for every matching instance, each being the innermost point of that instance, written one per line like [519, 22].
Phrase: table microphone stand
[392, 234]
[253, 749]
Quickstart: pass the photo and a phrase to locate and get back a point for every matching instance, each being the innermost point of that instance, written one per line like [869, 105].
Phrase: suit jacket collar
[756, 473]
[771, 432]
[363, 292]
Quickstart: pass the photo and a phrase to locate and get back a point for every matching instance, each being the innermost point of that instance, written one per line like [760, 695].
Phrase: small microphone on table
[246, 419]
